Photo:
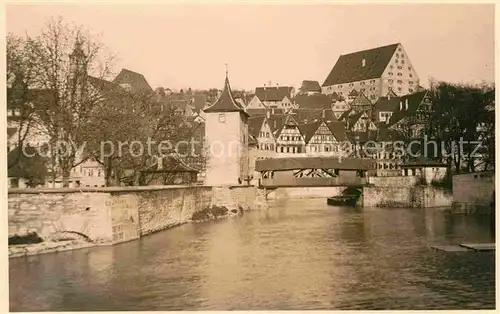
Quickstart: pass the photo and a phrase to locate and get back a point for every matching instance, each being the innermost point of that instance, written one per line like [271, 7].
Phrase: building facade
[373, 72]
[226, 134]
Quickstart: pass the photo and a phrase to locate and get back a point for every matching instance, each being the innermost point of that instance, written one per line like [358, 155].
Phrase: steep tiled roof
[414, 101]
[226, 102]
[199, 102]
[308, 130]
[352, 119]
[338, 130]
[137, 81]
[346, 114]
[276, 122]
[107, 88]
[386, 104]
[310, 86]
[255, 125]
[288, 120]
[349, 67]
[353, 93]
[307, 115]
[391, 93]
[361, 100]
[294, 163]
[256, 112]
[317, 101]
[273, 93]
[327, 115]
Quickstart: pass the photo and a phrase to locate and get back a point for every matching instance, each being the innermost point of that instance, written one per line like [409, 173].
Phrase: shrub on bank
[210, 213]
[30, 238]
[445, 183]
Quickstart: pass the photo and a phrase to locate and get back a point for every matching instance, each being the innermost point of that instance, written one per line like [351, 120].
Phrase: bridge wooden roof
[295, 163]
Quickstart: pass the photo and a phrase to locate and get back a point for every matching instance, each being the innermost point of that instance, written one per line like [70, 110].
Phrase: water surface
[296, 255]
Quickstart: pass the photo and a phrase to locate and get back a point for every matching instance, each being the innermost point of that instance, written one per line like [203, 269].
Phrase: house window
[390, 73]
[400, 82]
[399, 74]
[399, 88]
[351, 85]
[340, 86]
[373, 96]
[397, 61]
[397, 55]
[410, 75]
[222, 118]
[391, 66]
[409, 68]
[400, 67]
[402, 55]
[402, 61]
[410, 82]
[390, 81]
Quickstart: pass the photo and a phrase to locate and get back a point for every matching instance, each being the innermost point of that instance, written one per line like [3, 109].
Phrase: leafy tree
[460, 114]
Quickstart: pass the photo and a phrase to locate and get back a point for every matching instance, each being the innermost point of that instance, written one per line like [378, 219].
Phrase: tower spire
[226, 70]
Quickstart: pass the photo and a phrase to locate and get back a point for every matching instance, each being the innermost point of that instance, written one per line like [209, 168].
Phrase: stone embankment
[404, 192]
[76, 218]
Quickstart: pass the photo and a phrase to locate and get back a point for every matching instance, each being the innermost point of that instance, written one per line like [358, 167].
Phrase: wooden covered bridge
[313, 171]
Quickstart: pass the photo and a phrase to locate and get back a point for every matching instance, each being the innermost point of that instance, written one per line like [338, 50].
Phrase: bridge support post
[360, 201]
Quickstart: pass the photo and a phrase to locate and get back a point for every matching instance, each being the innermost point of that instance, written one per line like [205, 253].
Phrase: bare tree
[21, 74]
[64, 57]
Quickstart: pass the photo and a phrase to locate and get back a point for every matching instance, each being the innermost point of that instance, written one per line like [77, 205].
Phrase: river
[296, 255]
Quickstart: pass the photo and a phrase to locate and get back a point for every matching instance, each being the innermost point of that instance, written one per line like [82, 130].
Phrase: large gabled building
[373, 72]
[272, 97]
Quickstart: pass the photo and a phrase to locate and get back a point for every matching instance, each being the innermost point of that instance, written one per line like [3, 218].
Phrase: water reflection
[298, 254]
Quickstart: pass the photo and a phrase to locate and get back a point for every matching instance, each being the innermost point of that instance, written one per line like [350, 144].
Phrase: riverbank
[108, 216]
[203, 216]
[299, 254]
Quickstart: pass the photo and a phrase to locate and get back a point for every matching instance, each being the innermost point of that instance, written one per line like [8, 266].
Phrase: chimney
[406, 104]
[400, 105]
[363, 63]
[268, 113]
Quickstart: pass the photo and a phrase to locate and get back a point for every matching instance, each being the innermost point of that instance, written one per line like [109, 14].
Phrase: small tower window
[363, 62]
[222, 118]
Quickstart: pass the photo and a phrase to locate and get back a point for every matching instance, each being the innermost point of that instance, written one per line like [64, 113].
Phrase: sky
[188, 45]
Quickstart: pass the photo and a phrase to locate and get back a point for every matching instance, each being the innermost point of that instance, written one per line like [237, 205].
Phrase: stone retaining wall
[117, 214]
[414, 196]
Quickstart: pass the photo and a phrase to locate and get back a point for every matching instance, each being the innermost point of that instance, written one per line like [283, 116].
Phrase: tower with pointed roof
[226, 134]
[78, 69]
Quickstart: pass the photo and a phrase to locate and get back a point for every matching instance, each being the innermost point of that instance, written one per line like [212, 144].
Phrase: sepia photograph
[250, 156]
